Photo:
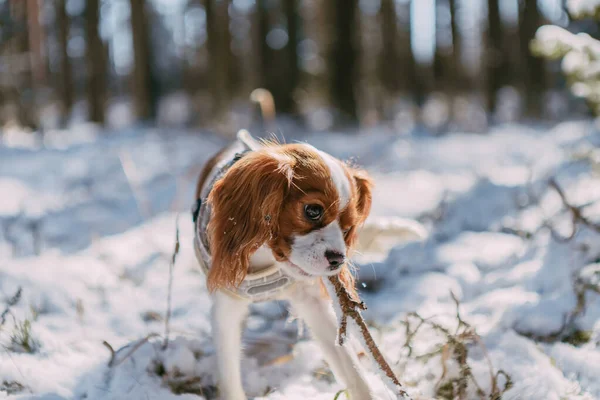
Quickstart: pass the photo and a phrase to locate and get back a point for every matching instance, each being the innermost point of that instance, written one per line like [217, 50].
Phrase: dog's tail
[380, 234]
[265, 101]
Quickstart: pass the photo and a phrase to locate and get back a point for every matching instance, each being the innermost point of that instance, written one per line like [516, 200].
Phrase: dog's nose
[335, 258]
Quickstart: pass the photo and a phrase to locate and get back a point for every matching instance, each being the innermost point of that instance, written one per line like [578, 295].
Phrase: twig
[576, 215]
[113, 360]
[112, 352]
[339, 393]
[11, 302]
[351, 308]
[170, 287]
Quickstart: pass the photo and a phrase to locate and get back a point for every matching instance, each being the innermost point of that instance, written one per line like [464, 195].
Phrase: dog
[271, 221]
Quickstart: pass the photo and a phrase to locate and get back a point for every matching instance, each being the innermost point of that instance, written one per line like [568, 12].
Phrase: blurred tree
[219, 50]
[343, 56]
[581, 52]
[279, 55]
[409, 81]
[444, 68]
[457, 66]
[533, 67]
[95, 55]
[19, 87]
[496, 66]
[36, 42]
[145, 89]
[291, 49]
[390, 70]
[66, 90]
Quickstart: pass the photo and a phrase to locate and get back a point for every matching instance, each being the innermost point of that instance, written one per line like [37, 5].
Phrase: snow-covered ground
[88, 225]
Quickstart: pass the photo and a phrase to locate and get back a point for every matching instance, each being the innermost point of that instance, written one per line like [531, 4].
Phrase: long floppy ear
[245, 203]
[364, 188]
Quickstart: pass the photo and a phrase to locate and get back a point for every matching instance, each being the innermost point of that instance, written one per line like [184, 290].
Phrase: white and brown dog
[271, 221]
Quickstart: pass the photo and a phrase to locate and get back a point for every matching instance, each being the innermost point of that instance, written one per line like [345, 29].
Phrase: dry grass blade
[170, 286]
[456, 347]
[351, 308]
[10, 303]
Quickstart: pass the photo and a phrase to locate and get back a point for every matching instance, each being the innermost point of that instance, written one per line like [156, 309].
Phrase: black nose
[335, 258]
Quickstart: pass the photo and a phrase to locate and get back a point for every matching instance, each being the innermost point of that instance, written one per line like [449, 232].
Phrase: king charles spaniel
[271, 221]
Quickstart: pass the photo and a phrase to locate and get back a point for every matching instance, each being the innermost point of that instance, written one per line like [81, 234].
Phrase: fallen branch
[577, 215]
[351, 308]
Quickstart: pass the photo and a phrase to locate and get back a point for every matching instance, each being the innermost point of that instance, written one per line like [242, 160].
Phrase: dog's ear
[246, 203]
[364, 188]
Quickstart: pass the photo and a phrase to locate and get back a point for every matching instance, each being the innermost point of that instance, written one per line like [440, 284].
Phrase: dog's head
[303, 203]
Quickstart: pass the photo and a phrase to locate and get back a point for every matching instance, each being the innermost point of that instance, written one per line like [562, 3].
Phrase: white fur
[228, 313]
[318, 314]
[308, 251]
[338, 176]
[315, 310]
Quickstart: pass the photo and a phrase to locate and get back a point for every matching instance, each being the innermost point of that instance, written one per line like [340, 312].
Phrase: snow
[88, 224]
[581, 8]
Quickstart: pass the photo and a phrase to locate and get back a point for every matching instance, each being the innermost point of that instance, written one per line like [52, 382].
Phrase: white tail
[380, 234]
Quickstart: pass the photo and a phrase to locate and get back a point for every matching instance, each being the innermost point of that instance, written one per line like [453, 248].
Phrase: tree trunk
[18, 90]
[144, 85]
[218, 44]
[36, 41]
[95, 63]
[279, 72]
[66, 75]
[343, 57]
[408, 77]
[389, 59]
[533, 74]
[458, 72]
[495, 60]
[293, 73]
[444, 62]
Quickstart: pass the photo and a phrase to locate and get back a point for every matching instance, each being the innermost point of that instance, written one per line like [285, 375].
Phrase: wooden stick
[351, 308]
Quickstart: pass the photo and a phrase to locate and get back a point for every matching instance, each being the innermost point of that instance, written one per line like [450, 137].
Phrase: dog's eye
[313, 212]
[346, 231]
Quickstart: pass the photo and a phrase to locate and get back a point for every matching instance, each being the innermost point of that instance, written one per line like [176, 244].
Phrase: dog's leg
[317, 311]
[228, 314]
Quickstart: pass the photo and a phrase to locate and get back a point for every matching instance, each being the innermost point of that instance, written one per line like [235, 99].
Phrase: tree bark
[343, 58]
[95, 63]
[144, 85]
[529, 20]
[66, 75]
[495, 60]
